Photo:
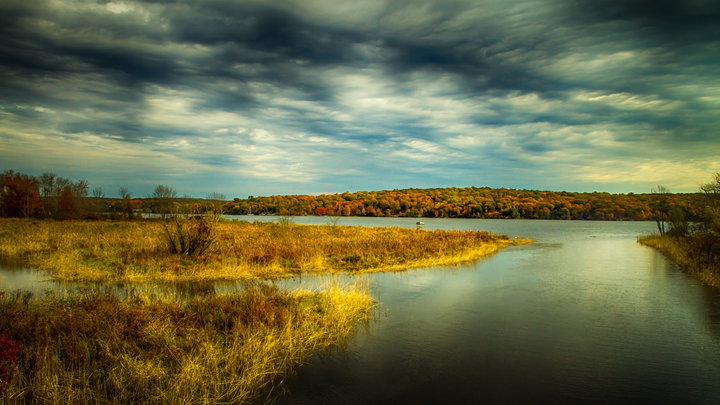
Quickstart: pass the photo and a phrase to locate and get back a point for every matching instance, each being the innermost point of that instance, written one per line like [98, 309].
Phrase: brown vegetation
[94, 347]
[681, 251]
[139, 251]
[694, 245]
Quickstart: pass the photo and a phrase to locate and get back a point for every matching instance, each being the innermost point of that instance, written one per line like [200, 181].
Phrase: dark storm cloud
[663, 19]
[297, 89]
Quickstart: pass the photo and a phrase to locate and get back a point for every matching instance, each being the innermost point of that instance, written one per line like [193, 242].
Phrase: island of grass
[138, 251]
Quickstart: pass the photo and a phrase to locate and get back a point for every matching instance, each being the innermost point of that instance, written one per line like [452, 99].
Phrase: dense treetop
[469, 202]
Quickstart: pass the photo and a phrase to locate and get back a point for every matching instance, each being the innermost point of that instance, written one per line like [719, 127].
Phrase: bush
[190, 235]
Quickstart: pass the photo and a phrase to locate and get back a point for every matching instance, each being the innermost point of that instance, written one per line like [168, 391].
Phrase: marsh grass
[678, 250]
[95, 347]
[137, 251]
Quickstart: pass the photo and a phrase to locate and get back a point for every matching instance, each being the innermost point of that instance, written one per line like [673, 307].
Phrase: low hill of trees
[52, 196]
[472, 202]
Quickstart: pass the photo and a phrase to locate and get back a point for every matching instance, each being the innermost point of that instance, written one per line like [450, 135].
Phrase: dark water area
[583, 314]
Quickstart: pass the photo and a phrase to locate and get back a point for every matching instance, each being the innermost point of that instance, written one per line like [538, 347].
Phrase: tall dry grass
[678, 250]
[138, 251]
[93, 347]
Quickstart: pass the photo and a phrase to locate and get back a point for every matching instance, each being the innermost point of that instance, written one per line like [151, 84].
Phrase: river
[583, 314]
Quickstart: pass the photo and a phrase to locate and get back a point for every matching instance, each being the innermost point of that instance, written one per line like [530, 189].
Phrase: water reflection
[583, 314]
[17, 276]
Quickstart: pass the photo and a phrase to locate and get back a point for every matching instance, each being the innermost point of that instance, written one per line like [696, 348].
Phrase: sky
[323, 96]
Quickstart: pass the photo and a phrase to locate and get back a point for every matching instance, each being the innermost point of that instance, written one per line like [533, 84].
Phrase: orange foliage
[468, 202]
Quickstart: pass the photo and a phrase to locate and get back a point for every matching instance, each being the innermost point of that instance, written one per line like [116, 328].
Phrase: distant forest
[473, 202]
[53, 196]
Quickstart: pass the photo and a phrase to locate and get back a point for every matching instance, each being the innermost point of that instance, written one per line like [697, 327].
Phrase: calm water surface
[584, 314]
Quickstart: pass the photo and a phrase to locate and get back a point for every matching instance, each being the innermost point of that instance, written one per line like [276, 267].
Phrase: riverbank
[675, 249]
[94, 347]
[137, 251]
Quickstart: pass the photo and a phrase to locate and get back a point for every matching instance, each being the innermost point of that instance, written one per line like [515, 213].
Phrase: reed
[94, 347]
[680, 251]
[138, 251]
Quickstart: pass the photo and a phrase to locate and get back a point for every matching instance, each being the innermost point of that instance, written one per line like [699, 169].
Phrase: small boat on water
[419, 223]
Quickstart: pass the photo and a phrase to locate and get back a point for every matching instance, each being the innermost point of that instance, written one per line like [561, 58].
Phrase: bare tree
[712, 189]
[47, 184]
[80, 188]
[97, 192]
[127, 207]
[217, 197]
[163, 194]
[661, 207]
[218, 200]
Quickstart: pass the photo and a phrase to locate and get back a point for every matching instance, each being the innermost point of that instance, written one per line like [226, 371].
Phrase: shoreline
[673, 249]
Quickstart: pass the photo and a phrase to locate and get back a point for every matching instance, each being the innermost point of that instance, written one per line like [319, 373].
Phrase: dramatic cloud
[310, 96]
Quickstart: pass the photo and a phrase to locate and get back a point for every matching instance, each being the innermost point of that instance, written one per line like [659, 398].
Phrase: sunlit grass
[138, 251]
[677, 251]
[94, 347]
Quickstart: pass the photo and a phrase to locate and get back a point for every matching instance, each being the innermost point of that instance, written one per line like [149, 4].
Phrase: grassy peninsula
[683, 251]
[694, 244]
[93, 347]
[96, 347]
[137, 251]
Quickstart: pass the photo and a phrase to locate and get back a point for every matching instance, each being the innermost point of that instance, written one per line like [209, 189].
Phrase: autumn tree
[19, 195]
[61, 197]
[67, 204]
[707, 237]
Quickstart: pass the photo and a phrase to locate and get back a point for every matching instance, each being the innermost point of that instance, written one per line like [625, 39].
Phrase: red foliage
[67, 205]
[9, 350]
[19, 195]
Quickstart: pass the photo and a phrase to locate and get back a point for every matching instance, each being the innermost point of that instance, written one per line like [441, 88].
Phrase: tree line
[475, 202]
[47, 195]
[53, 196]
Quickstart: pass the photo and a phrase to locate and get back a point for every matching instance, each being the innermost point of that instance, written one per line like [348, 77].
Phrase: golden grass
[675, 249]
[94, 347]
[138, 251]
